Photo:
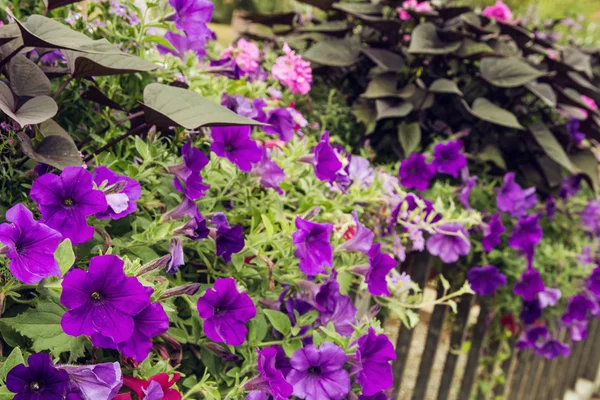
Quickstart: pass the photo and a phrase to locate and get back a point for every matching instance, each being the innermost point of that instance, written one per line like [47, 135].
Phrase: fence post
[473, 358]
[506, 367]
[591, 369]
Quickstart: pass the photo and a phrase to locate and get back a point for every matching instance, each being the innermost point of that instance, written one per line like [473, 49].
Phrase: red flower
[122, 396]
[508, 322]
[139, 385]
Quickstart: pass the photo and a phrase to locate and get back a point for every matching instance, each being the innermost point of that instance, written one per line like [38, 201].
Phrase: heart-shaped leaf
[33, 111]
[507, 72]
[26, 78]
[543, 91]
[286, 18]
[166, 106]
[587, 163]
[330, 27]
[358, 8]
[472, 49]
[386, 85]
[365, 113]
[392, 109]
[445, 86]
[492, 153]
[544, 137]
[322, 4]
[52, 4]
[578, 61]
[487, 111]
[425, 40]
[8, 33]
[409, 136]
[94, 94]
[57, 148]
[334, 53]
[84, 65]
[385, 59]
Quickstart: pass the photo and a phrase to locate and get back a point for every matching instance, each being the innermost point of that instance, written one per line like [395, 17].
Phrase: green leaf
[587, 163]
[14, 358]
[386, 60]
[508, 72]
[280, 321]
[409, 137]
[543, 91]
[334, 53]
[257, 329]
[238, 260]
[445, 86]
[545, 138]
[322, 4]
[5, 394]
[470, 48]
[445, 283]
[331, 27]
[491, 153]
[57, 148]
[413, 318]
[268, 226]
[52, 4]
[359, 8]
[425, 40]
[365, 113]
[488, 111]
[167, 106]
[392, 108]
[385, 85]
[64, 256]
[26, 78]
[291, 347]
[307, 319]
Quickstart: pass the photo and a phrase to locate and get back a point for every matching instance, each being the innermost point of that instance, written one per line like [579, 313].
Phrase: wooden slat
[436, 324]
[473, 358]
[564, 379]
[588, 345]
[506, 368]
[591, 369]
[419, 271]
[490, 352]
[523, 360]
[525, 391]
[548, 389]
[574, 360]
[541, 378]
[456, 340]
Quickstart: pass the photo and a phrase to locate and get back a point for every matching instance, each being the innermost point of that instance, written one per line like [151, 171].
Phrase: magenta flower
[187, 175]
[529, 286]
[449, 243]
[235, 144]
[593, 282]
[335, 307]
[499, 11]
[41, 380]
[183, 43]
[492, 233]
[374, 355]
[246, 55]
[225, 312]
[590, 217]
[589, 102]
[362, 240]
[292, 71]
[30, 246]
[313, 246]
[281, 122]
[485, 280]
[526, 235]
[448, 158]
[553, 349]
[66, 200]
[513, 199]
[530, 337]
[271, 175]
[271, 380]
[326, 162]
[415, 172]
[99, 381]
[191, 16]
[102, 300]
[122, 202]
[318, 372]
[379, 266]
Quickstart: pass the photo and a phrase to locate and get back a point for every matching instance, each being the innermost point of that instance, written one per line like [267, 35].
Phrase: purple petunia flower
[152, 321]
[450, 242]
[244, 107]
[313, 247]
[191, 16]
[573, 129]
[531, 336]
[590, 217]
[122, 202]
[225, 312]
[40, 380]
[513, 199]
[66, 200]
[235, 144]
[318, 372]
[415, 172]
[229, 241]
[448, 159]
[99, 381]
[530, 285]
[570, 186]
[531, 311]
[102, 300]
[362, 239]
[271, 380]
[550, 208]
[593, 282]
[374, 355]
[187, 208]
[552, 349]
[187, 175]
[184, 43]
[379, 266]
[194, 229]
[177, 257]
[335, 307]
[465, 191]
[271, 175]
[577, 309]
[492, 232]
[578, 330]
[526, 235]
[326, 161]
[549, 297]
[30, 246]
[281, 123]
[485, 280]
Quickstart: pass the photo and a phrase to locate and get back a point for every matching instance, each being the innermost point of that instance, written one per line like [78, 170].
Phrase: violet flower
[570, 186]
[187, 178]
[415, 172]
[335, 307]
[526, 235]
[448, 158]
[102, 300]
[374, 355]
[191, 16]
[513, 199]
[450, 242]
[30, 246]
[244, 107]
[40, 380]
[187, 208]
[549, 297]
[485, 280]
[590, 217]
[573, 129]
[281, 123]
[531, 336]
[326, 162]
[66, 200]
[235, 144]
[531, 311]
[552, 349]
[183, 44]
[380, 265]
[593, 282]
[313, 247]
[123, 202]
[577, 309]
[360, 171]
[362, 239]
[271, 175]
[465, 191]
[229, 241]
[271, 380]
[99, 381]
[177, 257]
[492, 232]
[225, 312]
[578, 330]
[530, 285]
[318, 372]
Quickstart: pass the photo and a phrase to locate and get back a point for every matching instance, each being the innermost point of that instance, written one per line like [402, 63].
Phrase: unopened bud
[160, 262]
[189, 290]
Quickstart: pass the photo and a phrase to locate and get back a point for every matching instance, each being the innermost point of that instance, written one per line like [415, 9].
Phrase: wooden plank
[419, 271]
[530, 375]
[523, 360]
[574, 359]
[549, 388]
[456, 341]
[563, 378]
[436, 324]
[588, 346]
[473, 358]
[506, 367]
[590, 369]
[490, 353]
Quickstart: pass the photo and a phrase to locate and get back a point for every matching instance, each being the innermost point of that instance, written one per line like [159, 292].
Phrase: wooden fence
[527, 376]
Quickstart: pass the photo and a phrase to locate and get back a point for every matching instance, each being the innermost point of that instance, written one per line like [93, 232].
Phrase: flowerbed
[158, 245]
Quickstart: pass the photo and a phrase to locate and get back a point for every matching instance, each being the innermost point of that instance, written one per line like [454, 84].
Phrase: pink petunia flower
[292, 71]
